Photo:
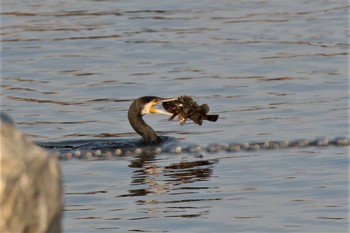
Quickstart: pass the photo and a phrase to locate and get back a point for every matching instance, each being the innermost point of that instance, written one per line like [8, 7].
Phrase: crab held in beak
[185, 107]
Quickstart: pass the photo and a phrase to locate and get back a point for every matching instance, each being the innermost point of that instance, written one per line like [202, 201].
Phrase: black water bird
[140, 107]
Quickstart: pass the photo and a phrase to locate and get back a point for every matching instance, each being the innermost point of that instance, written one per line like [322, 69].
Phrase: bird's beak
[160, 100]
[167, 100]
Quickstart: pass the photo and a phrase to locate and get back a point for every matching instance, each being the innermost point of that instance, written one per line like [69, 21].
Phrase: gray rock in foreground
[30, 185]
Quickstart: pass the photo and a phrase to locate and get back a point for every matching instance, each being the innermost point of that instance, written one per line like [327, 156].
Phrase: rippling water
[273, 70]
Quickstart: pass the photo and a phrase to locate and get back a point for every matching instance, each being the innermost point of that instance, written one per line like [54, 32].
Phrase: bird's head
[148, 103]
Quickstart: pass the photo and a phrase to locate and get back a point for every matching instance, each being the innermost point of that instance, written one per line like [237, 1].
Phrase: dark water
[272, 70]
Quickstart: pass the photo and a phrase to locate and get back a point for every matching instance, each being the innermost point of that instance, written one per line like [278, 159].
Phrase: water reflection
[163, 179]
[176, 179]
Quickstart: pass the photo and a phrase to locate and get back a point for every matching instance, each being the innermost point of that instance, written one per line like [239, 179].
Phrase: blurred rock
[30, 185]
[5, 118]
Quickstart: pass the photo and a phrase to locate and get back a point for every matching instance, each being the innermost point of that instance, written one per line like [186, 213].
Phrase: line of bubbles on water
[197, 149]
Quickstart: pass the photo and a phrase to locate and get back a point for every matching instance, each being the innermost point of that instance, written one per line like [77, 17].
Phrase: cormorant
[141, 106]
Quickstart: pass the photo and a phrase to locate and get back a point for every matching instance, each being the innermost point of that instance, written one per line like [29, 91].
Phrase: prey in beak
[149, 106]
[185, 107]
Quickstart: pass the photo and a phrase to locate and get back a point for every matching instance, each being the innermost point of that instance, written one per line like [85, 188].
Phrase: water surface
[272, 70]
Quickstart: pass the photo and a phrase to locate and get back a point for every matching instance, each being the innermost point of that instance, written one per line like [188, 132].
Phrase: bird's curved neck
[142, 128]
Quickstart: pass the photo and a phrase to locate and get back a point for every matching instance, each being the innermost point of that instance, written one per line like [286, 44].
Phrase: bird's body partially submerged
[141, 106]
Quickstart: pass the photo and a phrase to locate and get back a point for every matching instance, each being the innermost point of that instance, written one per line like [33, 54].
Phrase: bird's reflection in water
[156, 181]
[162, 179]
